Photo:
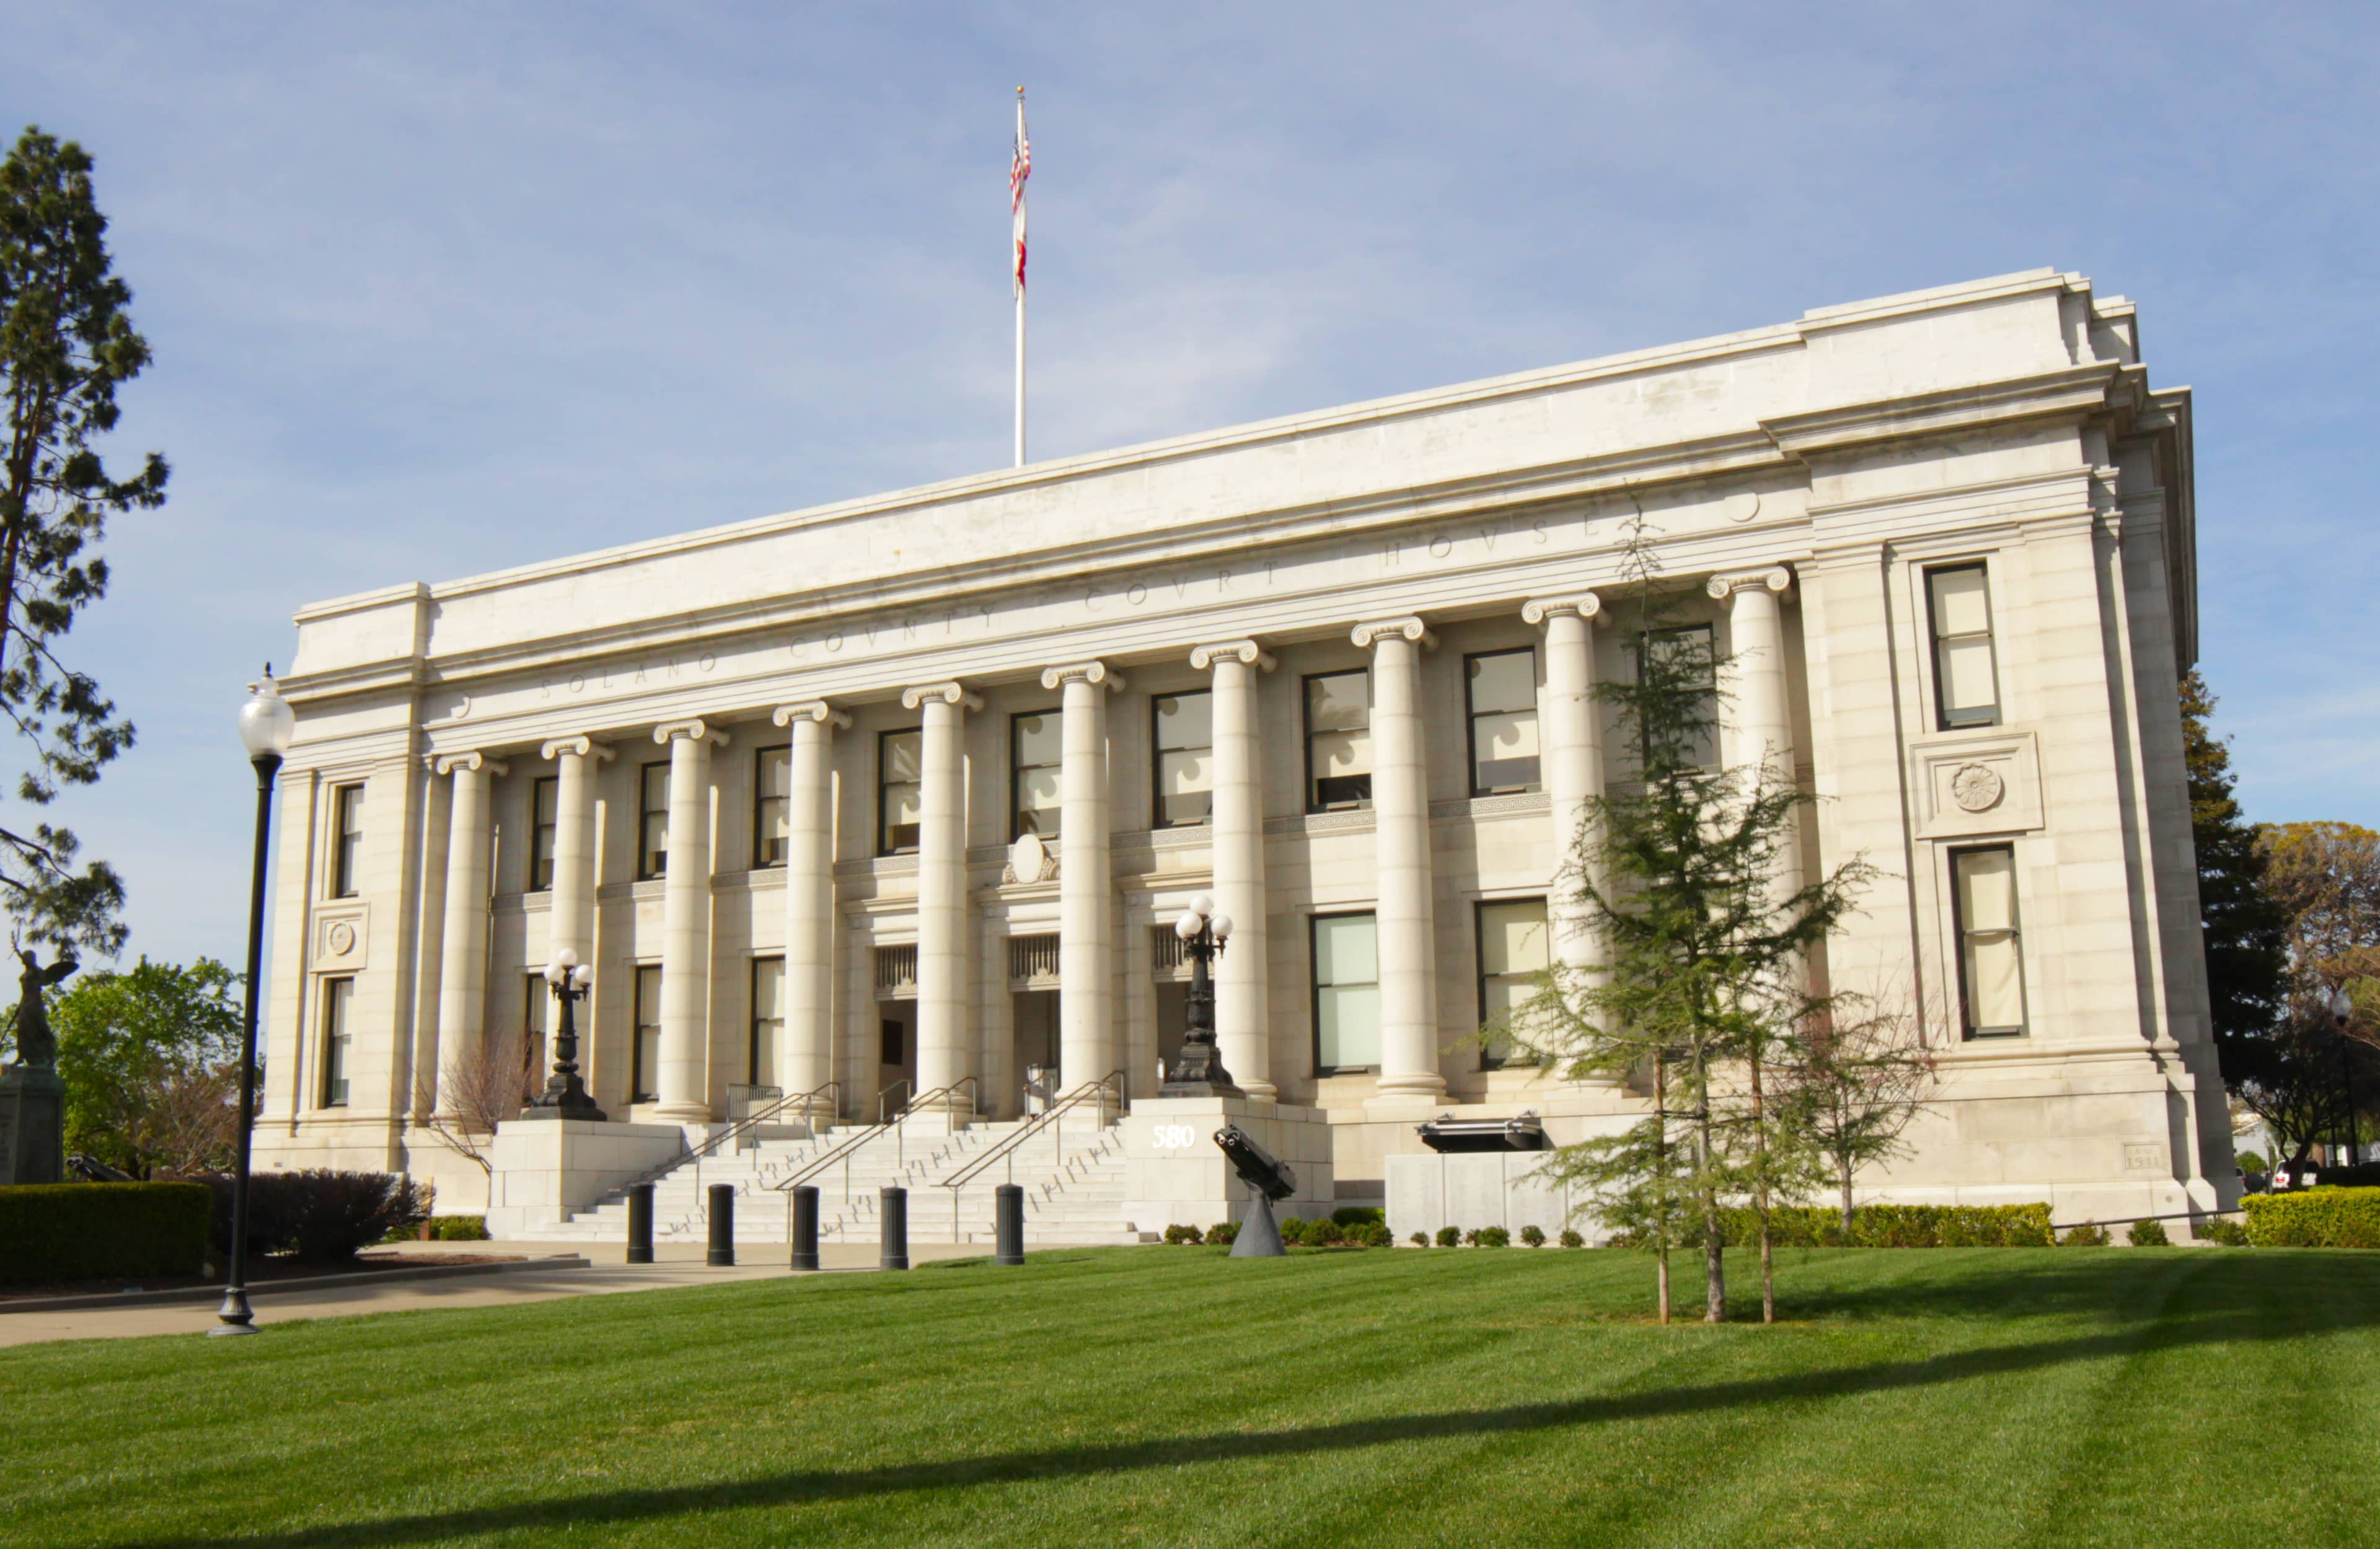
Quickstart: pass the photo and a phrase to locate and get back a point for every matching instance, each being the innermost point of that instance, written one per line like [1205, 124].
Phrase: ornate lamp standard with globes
[1199, 1071]
[565, 1095]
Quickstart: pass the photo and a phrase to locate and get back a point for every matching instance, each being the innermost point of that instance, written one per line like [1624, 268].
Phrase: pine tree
[2243, 924]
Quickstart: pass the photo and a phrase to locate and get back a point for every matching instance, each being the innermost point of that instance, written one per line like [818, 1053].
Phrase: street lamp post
[565, 1095]
[1199, 1072]
[266, 726]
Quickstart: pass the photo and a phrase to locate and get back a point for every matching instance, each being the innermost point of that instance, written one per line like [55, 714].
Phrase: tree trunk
[1845, 1164]
[1760, 1197]
[1706, 1161]
[1661, 1157]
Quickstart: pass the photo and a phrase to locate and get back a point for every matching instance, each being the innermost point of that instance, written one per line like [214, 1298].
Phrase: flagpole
[1016, 259]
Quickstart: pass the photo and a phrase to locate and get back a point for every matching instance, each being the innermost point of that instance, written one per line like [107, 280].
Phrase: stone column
[462, 940]
[1087, 1048]
[808, 1003]
[576, 843]
[1408, 947]
[1755, 717]
[684, 1089]
[1242, 1033]
[1572, 727]
[941, 884]
[430, 946]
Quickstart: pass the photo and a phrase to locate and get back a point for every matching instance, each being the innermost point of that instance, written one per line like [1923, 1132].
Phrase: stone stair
[1073, 1178]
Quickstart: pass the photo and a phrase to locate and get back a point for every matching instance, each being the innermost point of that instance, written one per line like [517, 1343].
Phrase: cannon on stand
[1270, 1179]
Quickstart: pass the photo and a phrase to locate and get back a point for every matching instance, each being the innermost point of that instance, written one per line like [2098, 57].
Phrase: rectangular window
[772, 783]
[533, 1010]
[1500, 688]
[1338, 741]
[1036, 745]
[545, 801]
[900, 766]
[768, 1019]
[1512, 952]
[652, 821]
[1991, 966]
[1184, 739]
[1346, 993]
[890, 1031]
[645, 1059]
[1966, 678]
[347, 841]
[1692, 649]
[338, 1033]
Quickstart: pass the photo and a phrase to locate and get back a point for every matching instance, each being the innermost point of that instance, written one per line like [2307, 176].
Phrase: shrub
[1292, 1231]
[1533, 1236]
[2148, 1234]
[2250, 1162]
[460, 1228]
[1371, 1234]
[1449, 1236]
[2363, 1175]
[2087, 1235]
[1360, 1214]
[2224, 1231]
[1181, 1234]
[1896, 1226]
[321, 1216]
[2316, 1218]
[1492, 1236]
[1570, 1238]
[1323, 1234]
[86, 1231]
[1419, 1239]
[1223, 1234]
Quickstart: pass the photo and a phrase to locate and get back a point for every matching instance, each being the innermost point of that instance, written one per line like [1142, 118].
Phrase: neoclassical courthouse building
[910, 789]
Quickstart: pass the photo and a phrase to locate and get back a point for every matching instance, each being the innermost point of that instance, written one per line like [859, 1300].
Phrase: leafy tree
[1860, 1072]
[150, 1058]
[66, 344]
[2243, 924]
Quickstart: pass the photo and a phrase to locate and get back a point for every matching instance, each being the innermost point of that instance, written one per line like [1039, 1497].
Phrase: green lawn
[1171, 1396]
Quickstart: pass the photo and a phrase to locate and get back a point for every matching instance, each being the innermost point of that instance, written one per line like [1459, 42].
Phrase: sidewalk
[610, 1275]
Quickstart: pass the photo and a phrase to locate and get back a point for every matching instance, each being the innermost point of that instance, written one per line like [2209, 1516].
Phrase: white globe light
[1187, 928]
[267, 724]
[1203, 905]
[567, 957]
[555, 973]
[1222, 926]
[581, 976]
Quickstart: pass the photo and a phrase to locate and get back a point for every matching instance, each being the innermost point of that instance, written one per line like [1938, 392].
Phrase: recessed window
[1185, 741]
[772, 783]
[1512, 952]
[1338, 741]
[1966, 678]
[347, 840]
[653, 820]
[338, 1035]
[1346, 993]
[545, 804]
[891, 1036]
[1037, 744]
[1501, 691]
[645, 1057]
[900, 766]
[1690, 653]
[767, 1020]
[1991, 963]
[538, 996]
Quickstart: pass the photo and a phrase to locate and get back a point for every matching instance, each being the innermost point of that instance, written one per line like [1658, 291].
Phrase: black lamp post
[1199, 1071]
[565, 1095]
[266, 726]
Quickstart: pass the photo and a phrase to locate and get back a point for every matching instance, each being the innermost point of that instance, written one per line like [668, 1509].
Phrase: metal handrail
[843, 1151]
[896, 1087]
[1053, 1120]
[733, 1132]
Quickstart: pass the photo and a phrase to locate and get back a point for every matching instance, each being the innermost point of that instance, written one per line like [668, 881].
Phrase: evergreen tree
[2241, 923]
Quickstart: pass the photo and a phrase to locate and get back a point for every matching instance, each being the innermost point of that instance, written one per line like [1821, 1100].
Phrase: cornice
[2072, 390]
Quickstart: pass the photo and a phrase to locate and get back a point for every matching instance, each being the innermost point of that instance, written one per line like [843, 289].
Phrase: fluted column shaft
[809, 986]
[941, 884]
[1237, 823]
[462, 940]
[1086, 961]
[684, 1089]
[1572, 736]
[1756, 727]
[1401, 839]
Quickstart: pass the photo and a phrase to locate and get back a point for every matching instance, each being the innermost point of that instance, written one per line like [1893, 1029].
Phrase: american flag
[1020, 167]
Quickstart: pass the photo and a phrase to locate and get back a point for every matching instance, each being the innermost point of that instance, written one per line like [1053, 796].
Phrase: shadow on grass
[2190, 1299]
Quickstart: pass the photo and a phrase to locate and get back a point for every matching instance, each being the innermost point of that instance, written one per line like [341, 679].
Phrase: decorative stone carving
[1030, 861]
[1246, 651]
[693, 731]
[817, 710]
[1410, 626]
[1587, 605]
[1976, 788]
[585, 747]
[948, 693]
[1776, 578]
[1093, 672]
[1742, 507]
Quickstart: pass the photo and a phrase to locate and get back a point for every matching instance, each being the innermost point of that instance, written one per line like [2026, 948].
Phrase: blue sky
[435, 289]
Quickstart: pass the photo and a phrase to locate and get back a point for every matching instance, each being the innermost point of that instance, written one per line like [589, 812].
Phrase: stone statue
[36, 1045]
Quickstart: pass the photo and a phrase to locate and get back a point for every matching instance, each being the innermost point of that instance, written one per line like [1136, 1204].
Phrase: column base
[680, 1113]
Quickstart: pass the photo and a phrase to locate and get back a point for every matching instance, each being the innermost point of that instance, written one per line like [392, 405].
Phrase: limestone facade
[857, 725]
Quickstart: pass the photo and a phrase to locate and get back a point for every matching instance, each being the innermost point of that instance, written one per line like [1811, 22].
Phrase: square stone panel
[1970, 784]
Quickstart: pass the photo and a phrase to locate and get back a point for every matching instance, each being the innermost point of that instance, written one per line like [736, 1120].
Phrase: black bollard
[805, 1227]
[896, 1228]
[722, 1226]
[1008, 1224]
[640, 1224]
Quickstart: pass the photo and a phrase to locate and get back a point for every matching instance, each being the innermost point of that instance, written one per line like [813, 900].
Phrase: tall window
[1037, 746]
[773, 782]
[545, 803]
[653, 820]
[539, 996]
[645, 1059]
[1501, 691]
[347, 841]
[338, 1033]
[1185, 741]
[1513, 950]
[1966, 680]
[768, 1019]
[1991, 965]
[1692, 649]
[900, 764]
[1346, 993]
[1338, 741]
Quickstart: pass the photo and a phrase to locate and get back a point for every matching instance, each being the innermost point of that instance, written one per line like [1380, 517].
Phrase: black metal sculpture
[37, 1047]
[32, 1094]
[1270, 1179]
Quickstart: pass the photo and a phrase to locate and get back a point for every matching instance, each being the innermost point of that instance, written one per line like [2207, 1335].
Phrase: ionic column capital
[1726, 583]
[585, 747]
[817, 710]
[1587, 605]
[697, 730]
[948, 693]
[1246, 652]
[1096, 674]
[447, 763]
[1409, 627]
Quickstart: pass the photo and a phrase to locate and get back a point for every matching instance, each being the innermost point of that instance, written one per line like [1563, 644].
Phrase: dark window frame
[1945, 720]
[1016, 769]
[1471, 725]
[752, 1054]
[1312, 803]
[536, 1020]
[1968, 1032]
[346, 839]
[1314, 986]
[760, 800]
[647, 813]
[884, 845]
[1479, 907]
[644, 1086]
[1644, 638]
[1158, 750]
[338, 1040]
[543, 836]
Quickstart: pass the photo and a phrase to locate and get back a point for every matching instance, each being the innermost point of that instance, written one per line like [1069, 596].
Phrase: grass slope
[1172, 1396]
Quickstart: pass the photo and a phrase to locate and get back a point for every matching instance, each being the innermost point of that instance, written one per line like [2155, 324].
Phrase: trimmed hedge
[91, 1232]
[2322, 1218]
[1896, 1226]
[321, 1216]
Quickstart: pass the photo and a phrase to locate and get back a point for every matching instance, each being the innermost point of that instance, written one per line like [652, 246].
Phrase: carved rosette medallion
[1978, 788]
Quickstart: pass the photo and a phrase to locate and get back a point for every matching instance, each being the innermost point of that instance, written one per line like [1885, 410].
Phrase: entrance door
[1036, 1047]
[1172, 1020]
[896, 1058]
